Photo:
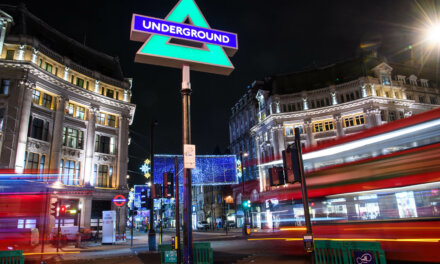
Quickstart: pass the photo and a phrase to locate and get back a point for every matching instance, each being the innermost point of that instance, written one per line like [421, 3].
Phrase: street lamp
[433, 34]
[152, 233]
[243, 154]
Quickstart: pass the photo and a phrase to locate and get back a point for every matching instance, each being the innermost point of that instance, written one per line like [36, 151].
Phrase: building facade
[326, 103]
[65, 113]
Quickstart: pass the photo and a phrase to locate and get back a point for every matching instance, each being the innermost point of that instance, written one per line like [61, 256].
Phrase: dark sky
[278, 36]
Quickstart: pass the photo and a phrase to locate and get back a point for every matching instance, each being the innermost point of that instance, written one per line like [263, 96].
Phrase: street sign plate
[171, 256]
[189, 156]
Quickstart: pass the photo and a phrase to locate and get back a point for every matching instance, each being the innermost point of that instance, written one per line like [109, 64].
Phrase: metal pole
[242, 194]
[131, 230]
[152, 232]
[44, 224]
[186, 120]
[176, 172]
[303, 182]
[161, 222]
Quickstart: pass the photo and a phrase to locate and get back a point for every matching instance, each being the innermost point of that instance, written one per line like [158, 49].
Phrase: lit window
[102, 176]
[354, 120]
[33, 160]
[47, 101]
[79, 82]
[73, 138]
[80, 112]
[288, 131]
[48, 67]
[385, 79]
[100, 118]
[36, 96]
[111, 120]
[323, 126]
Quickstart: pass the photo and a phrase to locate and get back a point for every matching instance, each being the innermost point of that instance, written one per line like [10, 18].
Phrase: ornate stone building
[65, 113]
[326, 103]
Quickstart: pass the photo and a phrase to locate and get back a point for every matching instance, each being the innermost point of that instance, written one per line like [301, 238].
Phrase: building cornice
[30, 68]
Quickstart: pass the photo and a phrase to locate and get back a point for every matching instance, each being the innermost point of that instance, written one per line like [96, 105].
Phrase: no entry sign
[119, 200]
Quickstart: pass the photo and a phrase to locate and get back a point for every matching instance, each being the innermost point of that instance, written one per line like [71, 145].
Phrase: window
[409, 97]
[327, 101]
[102, 176]
[87, 85]
[47, 101]
[401, 114]
[5, 87]
[42, 162]
[76, 111]
[41, 63]
[354, 120]
[70, 172]
[111, 120]
[73, 138]
[102, 90]
[79, 82]
[102, 144]
[80, 112]
[358, 95]
[39, 129]
[56, 71]
[48, 67]
[342, 98]
[392, 115]
[36, 96]
[32, 161]
[2, 116]
[110, 93]
[421, 99]
[433, 100]
[385, 79]
[117, 96]
[10, 54]
[387, 94]
[323, 126]
[288, 131]
[100, 118]
[382, 115]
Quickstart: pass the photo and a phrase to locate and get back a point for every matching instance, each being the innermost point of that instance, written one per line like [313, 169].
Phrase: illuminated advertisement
[183, 37]
[210, 169]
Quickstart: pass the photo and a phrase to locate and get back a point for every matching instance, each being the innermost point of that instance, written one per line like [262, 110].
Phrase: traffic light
[291, 164]
[246, 204]
[54, 209]
[276, 176]
[158, 191]
[144, 199]
[168, 184]
[62, 210]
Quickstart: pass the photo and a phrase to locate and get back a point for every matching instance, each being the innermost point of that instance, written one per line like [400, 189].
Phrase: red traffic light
[63, 210]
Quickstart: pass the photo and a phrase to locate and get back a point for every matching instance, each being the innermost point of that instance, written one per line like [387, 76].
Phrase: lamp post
[152, 233]
[242, 193]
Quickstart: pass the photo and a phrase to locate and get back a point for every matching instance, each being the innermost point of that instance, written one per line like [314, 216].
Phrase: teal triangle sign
[158, 51]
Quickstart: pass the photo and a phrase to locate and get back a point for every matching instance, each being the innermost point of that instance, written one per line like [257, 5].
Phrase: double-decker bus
[382, 184]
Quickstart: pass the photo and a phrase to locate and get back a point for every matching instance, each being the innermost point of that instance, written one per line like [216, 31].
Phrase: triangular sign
[158, 49]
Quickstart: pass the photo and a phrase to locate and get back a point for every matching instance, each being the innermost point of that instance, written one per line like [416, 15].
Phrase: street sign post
[184, 40]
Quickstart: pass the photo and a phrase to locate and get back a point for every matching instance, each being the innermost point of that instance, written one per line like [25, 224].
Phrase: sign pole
[308, 238]
[187, 195]
[176, 172]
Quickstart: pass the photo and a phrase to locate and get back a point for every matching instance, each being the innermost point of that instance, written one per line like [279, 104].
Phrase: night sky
[275, 37]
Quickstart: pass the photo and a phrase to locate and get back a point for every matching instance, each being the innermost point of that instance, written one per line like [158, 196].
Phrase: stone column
[57, 134]
[305, 103]
[378, 117]
[339, 126]
[334, 99]
[122, 152]
[364, 91]
[34, 55]
[403, 93]
[97, 83]
[20, 53]
[373, 91]
[309, 131]
[66, 73]
[90, 147]
[27, 88]
[2, 34]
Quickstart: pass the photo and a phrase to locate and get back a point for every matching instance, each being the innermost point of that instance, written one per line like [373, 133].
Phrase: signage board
[363, 257]
[119, 200]
[184, 37]
[209, 169]
[189, 156]
[108, 227]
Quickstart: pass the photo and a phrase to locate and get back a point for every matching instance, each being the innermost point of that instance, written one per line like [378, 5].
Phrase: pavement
[122, 252]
